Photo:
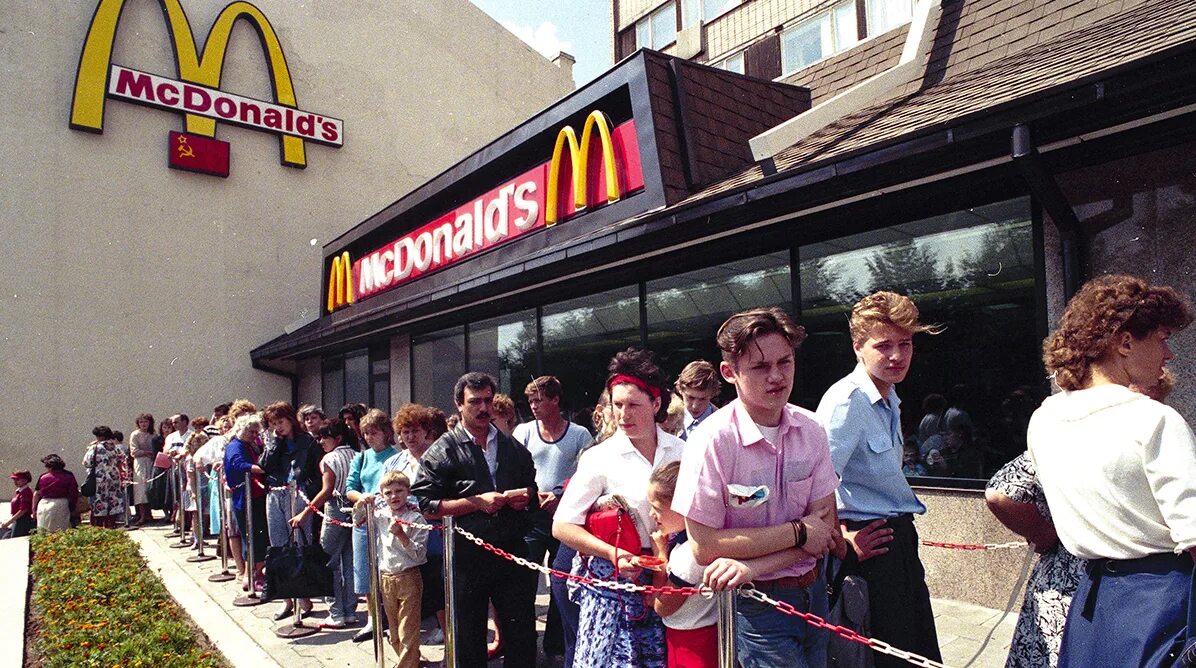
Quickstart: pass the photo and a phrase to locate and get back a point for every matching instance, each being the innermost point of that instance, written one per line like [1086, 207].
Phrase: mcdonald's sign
[340, 282]
[544, 195]
[196, 92]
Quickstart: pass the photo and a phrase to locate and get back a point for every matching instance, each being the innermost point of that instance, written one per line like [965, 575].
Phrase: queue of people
[758, 491]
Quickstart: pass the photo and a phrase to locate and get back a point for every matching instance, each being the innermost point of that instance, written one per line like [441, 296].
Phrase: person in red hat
[21, 523]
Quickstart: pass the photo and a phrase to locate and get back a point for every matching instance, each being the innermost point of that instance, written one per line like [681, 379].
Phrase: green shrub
[97, 604]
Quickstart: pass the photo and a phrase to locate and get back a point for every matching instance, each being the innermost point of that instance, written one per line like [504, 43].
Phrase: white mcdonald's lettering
[158, 91]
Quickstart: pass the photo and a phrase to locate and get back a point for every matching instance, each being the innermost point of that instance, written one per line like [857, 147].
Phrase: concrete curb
[14, 558]
[237, 646]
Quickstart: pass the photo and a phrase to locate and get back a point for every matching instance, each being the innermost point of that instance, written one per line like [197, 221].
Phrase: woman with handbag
[103, 462]
[604, 514]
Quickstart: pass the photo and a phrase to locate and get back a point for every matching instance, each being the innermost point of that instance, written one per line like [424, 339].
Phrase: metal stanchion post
[180, 485]
[726, 628]
[127, 488]
[295, 629]
[371, 534]
[450, 600]
[199, 518]
[223, 575]
[172, 484]
[251, 598]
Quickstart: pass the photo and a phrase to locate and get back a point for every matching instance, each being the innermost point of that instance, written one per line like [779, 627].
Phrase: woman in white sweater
[1118, 470]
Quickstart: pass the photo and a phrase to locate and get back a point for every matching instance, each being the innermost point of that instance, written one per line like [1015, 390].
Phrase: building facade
[132, 287]
[983, 157]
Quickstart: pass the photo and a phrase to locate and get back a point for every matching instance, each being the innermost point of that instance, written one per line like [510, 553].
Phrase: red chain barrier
[980, 546]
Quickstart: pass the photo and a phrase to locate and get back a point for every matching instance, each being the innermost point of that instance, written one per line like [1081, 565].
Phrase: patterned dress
[626, 633]
[1039, 631]
[109, 464]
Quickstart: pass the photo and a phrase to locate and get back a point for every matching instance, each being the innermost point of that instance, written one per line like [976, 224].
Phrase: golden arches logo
[340, 282]
[87, 107]
[579, 160]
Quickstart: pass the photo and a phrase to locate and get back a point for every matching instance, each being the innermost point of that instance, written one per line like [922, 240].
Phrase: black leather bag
[298, 569]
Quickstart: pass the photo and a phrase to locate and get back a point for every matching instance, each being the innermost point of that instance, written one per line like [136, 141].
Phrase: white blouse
[614, 466]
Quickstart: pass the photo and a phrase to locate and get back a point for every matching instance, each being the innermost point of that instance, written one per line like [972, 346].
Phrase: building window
[712, 9]
[580, 336]
[357, 377]
[883, 15]
[971, 389]
[691, 13]
[732, 63]
[658, 29]
[505, 347]
[685, 310]
[437, 361]
[839, 29]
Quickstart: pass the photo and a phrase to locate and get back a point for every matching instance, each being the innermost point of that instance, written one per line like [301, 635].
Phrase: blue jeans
[279, 511]
[768, 637]
[337, 542]
[569, 610]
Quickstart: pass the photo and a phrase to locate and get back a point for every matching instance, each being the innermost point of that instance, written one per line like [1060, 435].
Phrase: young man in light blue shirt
[862, 416]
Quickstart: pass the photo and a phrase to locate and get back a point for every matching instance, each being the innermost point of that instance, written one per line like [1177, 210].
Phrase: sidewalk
[14, 559]
[245, 635]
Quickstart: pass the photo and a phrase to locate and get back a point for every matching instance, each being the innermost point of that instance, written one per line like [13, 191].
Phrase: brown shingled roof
[1143, 30]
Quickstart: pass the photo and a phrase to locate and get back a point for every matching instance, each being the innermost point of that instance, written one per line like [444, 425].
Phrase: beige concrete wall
[131, 287]
[987, 577]
[400, 372]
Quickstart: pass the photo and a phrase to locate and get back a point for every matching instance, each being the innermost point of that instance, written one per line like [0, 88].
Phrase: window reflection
[505, 347]
[971, 389]
[580, 337]
[685, 311]
[438, 360]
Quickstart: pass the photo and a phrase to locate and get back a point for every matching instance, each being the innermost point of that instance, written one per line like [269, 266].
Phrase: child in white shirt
[402, 548]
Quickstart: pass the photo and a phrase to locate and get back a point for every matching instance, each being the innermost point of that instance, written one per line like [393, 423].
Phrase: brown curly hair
[1102, 309]
[416, 416]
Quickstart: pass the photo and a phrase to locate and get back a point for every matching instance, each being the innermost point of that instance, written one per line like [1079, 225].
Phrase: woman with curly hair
[1117, 467]
[616, 630]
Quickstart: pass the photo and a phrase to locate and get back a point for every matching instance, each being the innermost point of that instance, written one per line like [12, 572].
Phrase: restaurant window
[819, 37]
[359, 376]
[685, 311]
[505, 347]
[580, 336]
[971, 389]
[658, 29]
[437, 361]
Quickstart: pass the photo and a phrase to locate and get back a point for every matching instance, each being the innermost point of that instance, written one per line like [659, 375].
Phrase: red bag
[615, 526]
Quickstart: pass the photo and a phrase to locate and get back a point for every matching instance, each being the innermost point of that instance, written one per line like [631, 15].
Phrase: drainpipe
[1048, 193]
[293, 377]
[860, 96]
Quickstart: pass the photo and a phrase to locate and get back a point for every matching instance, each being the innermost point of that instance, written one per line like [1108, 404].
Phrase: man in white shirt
[555, 444]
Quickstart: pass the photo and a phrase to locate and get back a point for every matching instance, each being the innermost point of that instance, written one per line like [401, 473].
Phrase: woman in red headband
[617, 630]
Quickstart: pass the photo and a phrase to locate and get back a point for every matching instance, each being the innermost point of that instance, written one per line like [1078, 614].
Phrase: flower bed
[97, 604]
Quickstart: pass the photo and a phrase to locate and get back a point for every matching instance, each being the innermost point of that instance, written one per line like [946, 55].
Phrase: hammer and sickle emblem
[185, 150]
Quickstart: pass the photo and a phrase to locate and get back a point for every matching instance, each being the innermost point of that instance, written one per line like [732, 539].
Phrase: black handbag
[89, 486]
[297, 570]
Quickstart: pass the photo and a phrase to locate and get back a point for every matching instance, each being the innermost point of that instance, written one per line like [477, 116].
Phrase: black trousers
[897, 594]
[479, 578]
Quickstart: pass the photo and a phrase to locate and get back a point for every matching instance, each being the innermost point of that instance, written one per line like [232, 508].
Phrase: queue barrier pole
[250, 599]
[726, 627]
[223, 575]
[198, 526]
[172, 484]
[450, 599]
[126, 488]
[296, 629]
[180, 486]
[375, 597]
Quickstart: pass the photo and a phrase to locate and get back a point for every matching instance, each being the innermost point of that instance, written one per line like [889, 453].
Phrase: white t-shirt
[698, 610]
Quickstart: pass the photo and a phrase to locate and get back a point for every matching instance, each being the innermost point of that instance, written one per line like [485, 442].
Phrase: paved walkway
[970, 635]
[14, 558]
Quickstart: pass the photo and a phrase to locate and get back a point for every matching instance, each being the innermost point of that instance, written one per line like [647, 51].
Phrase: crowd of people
[671, 490]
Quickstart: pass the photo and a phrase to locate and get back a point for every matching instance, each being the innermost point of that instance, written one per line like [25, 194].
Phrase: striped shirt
[338, 461]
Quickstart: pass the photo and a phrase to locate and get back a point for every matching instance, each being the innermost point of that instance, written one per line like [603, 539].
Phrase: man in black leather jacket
[478, 475]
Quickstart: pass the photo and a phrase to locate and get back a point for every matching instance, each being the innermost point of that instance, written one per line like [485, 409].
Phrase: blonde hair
[376, 418]
[886, 308]
[241, 407]
[676, 417]
[195, 441]
[395, 478]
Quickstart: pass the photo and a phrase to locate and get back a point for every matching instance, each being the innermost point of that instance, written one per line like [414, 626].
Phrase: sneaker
[435, 637]
[352, 620]
[334, 623]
